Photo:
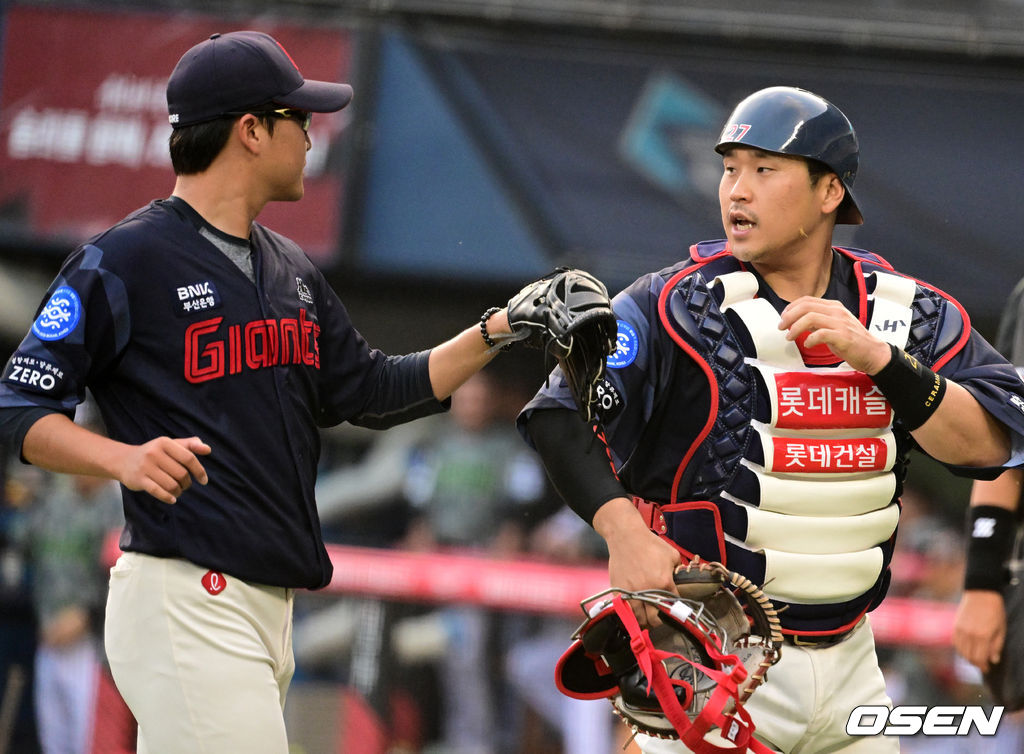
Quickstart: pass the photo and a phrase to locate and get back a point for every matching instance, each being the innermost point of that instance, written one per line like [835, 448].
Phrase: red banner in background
[541, 587]
[83, 119]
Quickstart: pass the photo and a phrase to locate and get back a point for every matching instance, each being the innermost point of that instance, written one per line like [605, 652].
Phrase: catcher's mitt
[568, 314]
[687, 676]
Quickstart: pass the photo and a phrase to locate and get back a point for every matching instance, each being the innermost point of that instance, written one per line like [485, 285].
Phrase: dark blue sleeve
[996, 385]
[361, 384]
[15, 424]
[401, 393]
[80, 328]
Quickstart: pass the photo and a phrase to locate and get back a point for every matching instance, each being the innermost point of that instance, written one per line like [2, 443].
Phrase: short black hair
[817, 170]
[194, 148]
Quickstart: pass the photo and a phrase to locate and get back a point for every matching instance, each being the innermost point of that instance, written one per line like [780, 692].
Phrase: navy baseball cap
[242, 69]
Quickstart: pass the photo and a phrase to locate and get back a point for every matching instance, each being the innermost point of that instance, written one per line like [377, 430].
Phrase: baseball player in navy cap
[230, 72]
[215, 349]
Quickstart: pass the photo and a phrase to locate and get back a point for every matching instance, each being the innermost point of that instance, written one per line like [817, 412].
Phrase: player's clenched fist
[638, 559]
[164, 467]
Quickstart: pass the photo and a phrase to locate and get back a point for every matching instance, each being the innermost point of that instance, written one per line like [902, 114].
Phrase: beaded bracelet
[491, 343]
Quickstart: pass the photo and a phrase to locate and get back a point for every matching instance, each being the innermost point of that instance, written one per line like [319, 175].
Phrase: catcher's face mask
[686, 677]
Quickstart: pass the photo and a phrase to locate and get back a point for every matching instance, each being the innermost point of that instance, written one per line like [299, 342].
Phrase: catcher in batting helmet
[791, 121]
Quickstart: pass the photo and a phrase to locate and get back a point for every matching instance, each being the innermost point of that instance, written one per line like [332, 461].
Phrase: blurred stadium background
[490, 140]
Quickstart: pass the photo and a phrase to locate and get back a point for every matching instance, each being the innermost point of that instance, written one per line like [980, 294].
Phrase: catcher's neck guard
[691, 674]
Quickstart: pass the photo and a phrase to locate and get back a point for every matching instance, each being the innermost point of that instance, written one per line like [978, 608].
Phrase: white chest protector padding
[819, 525]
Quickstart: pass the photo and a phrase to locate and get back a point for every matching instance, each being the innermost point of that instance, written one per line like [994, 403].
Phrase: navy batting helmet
[787, 120]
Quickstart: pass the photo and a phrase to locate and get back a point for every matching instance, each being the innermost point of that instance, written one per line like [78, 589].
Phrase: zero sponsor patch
[60, 315]
[196, 297]
[627, 345]
[608, 400]
[33, 372]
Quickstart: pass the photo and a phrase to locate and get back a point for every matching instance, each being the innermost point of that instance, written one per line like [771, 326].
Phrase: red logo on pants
[214, 582]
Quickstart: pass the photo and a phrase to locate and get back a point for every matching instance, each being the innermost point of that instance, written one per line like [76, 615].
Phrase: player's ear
[249, 132]
[832, 192]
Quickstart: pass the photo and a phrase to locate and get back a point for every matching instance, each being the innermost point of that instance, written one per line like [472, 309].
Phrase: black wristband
[913, 390]
[990, 534]
[483, 328]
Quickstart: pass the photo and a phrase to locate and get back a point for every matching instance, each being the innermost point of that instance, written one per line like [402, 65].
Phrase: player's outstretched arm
[979, 629]
[945, 419]
[566, 313]
[456, 360]
[963, 433]
[163, 467]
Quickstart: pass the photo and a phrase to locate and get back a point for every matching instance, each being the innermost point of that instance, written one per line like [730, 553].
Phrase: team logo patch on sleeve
[60, 315]
[1015, 400]
[196, 297]
[627, 344]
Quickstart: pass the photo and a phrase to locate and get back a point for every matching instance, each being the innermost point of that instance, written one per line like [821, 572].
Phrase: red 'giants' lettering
[210, 352]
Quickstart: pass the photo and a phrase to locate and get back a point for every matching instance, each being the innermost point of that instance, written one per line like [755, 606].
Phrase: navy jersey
[174, 340]
[676, 441]
[654, 399]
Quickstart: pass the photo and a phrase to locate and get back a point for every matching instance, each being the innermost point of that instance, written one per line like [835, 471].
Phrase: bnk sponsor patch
[60, 315]
[196, 297]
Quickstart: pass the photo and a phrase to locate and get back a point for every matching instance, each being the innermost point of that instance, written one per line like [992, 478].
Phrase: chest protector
[794, 481]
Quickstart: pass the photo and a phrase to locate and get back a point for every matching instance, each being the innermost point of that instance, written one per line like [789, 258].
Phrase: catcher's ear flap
[583, 677]
[582, 671]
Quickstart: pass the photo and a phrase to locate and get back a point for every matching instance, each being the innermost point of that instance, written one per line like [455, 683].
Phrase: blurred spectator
[17, 619]
[63, 538]
[584, 727]
[922, 535]
[473, 486]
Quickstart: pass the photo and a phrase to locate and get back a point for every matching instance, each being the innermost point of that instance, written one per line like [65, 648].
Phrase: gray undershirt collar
[238, 252]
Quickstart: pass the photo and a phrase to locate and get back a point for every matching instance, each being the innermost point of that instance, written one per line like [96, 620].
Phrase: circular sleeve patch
[60, 315]
[627, 344]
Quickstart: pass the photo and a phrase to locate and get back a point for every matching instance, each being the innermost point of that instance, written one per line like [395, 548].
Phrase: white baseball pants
[804, 705]
[203, 661]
